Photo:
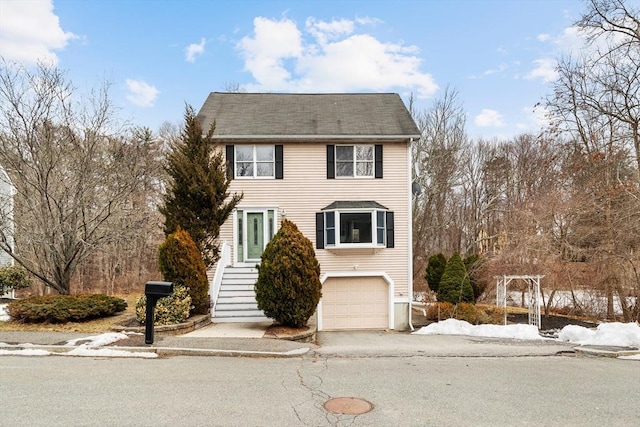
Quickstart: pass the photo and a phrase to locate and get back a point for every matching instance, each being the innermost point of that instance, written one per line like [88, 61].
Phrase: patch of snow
[634, 357]
[108, 352]
[607, 334]
[611, 334]
[24, 352]
[98, 340]
[4, 316]
[460, 327]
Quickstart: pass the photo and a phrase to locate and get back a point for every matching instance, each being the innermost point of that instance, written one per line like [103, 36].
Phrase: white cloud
[195, 49]
[543, 37]
[30, 31]
[497, 70]
[489, 118]
[329, 57]
[325, 31]
[141, 93]
[535, 118]
[367, 20]
[571, 40]
[264, 54]
[545, 69]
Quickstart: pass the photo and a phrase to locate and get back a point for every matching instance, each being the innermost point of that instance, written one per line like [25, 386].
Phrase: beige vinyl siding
[305, 190]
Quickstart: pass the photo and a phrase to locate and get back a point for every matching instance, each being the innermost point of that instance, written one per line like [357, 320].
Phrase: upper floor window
[254, 161]
[354, 161]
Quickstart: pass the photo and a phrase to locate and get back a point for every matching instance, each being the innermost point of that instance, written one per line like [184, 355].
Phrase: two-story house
[338, 166]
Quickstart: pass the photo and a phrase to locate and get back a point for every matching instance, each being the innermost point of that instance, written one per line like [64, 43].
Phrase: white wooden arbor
[533, 283]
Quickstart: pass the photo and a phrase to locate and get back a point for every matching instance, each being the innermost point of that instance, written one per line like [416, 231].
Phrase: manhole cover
[348, 406]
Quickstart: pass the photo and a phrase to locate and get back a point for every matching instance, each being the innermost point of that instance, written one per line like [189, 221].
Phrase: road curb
[611, 352]
[165, 351]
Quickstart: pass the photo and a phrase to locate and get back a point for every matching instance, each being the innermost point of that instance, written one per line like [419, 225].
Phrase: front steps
[237, 298]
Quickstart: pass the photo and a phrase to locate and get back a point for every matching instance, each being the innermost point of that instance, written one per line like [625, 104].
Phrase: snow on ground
[634, 357]
[607, 334]
[4, 316]
[460, 327]
[98, 340]
[91, 347]
[611, 334]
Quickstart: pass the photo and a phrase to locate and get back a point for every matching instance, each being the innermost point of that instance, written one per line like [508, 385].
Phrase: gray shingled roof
[269, 115]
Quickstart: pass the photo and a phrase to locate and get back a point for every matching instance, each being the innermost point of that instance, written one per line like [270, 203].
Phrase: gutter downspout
[410, 233]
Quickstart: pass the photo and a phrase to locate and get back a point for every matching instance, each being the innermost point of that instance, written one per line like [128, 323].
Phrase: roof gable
[264, 115]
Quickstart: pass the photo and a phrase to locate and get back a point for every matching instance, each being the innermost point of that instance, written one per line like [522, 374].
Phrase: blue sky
[499, 55]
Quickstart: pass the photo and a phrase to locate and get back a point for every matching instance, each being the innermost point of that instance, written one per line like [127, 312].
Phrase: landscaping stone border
[193, 323]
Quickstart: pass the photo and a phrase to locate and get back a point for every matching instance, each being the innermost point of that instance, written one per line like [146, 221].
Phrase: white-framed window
[355, 161]
[254, 161]
[354, 225]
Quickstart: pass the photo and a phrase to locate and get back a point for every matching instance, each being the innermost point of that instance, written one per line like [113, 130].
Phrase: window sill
[369, 249]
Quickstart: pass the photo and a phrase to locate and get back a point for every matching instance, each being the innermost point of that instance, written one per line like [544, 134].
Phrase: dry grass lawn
[91, 326]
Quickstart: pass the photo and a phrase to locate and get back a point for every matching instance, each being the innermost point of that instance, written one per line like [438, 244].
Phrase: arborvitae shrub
[169, 310]
[435, 269]
[65, 308]
[454, 285]
[181, 263]
[288, 288]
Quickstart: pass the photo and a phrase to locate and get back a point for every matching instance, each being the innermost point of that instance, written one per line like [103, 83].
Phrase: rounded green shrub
[13, 277]
[64, 308]
[288, 288]
[169, 310]
[455, 286]
[181, 263]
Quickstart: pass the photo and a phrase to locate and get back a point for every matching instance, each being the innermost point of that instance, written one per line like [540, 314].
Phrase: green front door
[255, 235]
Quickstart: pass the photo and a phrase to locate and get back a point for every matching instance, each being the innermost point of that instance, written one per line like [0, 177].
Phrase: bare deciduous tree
[74, 168]
[437, 159]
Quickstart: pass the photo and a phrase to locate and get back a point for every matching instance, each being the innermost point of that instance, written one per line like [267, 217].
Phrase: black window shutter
[390, 233]
[378, 160]
[319, 230]
[331, 162]
[279, 163]
[230, 161]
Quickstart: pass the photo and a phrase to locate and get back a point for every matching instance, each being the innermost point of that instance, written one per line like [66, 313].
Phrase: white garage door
[355, 303]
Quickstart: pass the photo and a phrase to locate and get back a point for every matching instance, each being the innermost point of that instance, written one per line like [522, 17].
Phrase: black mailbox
[154, 291]
[161, 289]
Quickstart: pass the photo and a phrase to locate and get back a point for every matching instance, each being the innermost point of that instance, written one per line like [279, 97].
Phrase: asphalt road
[404, 391]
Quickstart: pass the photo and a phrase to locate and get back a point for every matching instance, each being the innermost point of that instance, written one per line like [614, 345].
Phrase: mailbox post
[154, 291]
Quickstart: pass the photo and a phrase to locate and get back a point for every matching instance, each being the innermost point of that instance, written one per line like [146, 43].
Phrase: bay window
[354, 225]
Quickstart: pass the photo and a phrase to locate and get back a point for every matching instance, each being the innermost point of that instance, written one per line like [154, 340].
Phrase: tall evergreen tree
[454, 285]
[198, 199]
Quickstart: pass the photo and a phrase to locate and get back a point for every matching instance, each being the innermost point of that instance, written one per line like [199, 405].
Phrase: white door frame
[382, 274]
[265, 230]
